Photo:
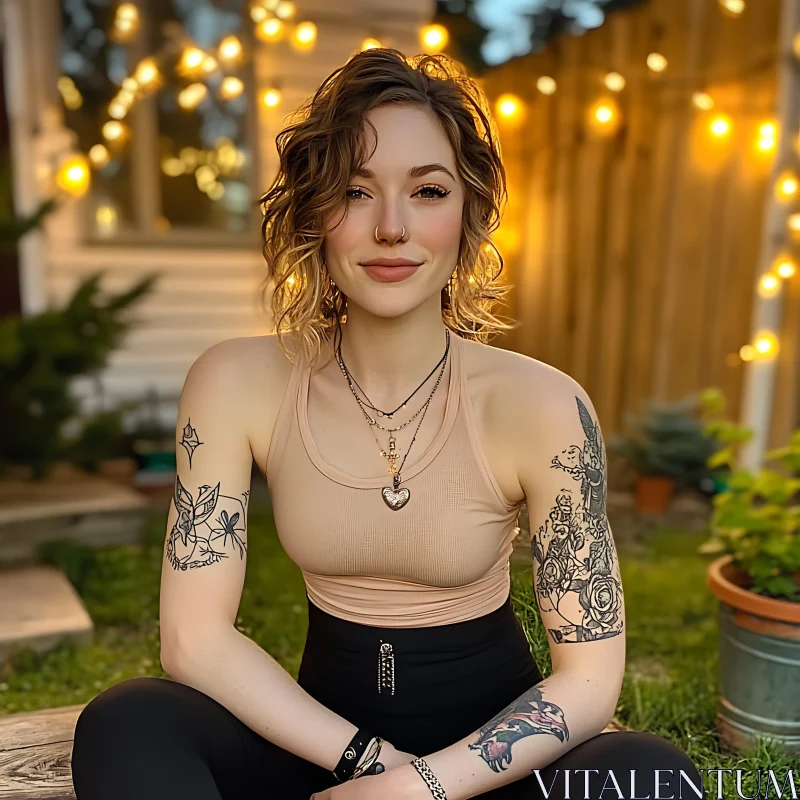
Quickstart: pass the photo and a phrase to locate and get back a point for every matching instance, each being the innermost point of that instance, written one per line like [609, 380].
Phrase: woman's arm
[204, 566]
[576, 579]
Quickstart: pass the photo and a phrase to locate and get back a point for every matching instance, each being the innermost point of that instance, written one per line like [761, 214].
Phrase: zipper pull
[385, 668]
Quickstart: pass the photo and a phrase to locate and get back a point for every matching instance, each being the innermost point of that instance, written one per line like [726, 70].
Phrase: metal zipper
[385, 668]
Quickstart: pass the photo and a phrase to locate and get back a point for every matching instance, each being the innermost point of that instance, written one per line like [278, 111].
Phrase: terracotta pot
[759, 660]
[653, 493]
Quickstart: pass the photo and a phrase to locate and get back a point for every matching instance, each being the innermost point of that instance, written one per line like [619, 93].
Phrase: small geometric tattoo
[190, 441]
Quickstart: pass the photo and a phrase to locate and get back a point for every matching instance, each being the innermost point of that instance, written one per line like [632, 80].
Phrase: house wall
[204, 295]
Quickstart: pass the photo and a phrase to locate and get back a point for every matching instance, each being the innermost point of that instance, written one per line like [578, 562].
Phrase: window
[179, 160]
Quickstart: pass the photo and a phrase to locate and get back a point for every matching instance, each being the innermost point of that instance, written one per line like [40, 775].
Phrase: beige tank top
[442, 558]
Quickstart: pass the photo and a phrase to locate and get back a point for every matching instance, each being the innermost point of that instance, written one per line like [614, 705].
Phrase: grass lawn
[669, 688]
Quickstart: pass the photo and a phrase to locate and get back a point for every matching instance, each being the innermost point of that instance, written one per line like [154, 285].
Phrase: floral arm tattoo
[578, 572]
[528, 715]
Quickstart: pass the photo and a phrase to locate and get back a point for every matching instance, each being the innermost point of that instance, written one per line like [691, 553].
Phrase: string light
[230, 49]
[766, 344]
[785, 266]
[191, 97]
[747, 352]
[305, 35]
[147, 74]
[258, 13]
[509, 106]
[769, 285]
[796, 45]
[99, 156]
[734, 8]
[74, 175]
[787, 186]
[604, 116]
[614, 82]
[434, 38]
[113, 130]
[703, 101]
[126, 22]
[285, 9]
[657, 62]
[271, 98]
[767, 137]
[546, 85]
[270, 30]
[370, 44]
[794, 223]
[230, 88]
[721, 126]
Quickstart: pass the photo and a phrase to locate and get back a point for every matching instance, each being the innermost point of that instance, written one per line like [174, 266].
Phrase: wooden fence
[634, 255]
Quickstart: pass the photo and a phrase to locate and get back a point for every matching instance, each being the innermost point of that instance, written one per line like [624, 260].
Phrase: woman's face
[390, 194]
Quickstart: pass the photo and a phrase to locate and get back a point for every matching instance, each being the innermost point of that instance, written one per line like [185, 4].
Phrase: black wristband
[352, 754]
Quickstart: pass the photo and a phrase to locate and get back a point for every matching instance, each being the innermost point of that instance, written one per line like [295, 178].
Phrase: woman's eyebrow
[414, 172]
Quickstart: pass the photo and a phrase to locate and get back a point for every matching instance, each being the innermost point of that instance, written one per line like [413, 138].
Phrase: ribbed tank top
[441, 558]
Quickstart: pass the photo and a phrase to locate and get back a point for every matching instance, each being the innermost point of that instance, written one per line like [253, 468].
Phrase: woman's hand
[390, 757]
[401, 783]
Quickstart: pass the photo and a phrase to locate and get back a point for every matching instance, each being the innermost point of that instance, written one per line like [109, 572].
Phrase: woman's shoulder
[518, 392]
[513, 375]
[246, 373]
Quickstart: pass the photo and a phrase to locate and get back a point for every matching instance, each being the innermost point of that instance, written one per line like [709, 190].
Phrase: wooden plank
[35, 753]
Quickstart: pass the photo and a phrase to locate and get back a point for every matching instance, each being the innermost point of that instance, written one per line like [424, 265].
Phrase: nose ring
[377, 238]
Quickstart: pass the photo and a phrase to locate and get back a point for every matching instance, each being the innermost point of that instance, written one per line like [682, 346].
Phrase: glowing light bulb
[703, 101]
[721, 126]
[509, 106]
[546, 85]
[230, 87]
[74, 175]
[747, 352]
[230, 49]
[270, 30]
[434, 38]
[785, 267]
[787, 186]
[99, 156]
[305, 35]
[614, 82]
[271, 98]
[734, 8]
[769, 285]
[766, 344]
[657, 62]
[370, 44]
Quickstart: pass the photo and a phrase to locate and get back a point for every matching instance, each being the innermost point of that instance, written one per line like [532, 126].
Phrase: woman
[398, 449]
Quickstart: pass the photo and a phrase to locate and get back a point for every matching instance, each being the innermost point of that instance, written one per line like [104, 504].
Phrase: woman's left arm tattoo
[190, 441]
[578, 572]
[528, 715]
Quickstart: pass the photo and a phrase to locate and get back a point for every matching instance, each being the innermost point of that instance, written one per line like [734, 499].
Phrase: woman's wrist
[411, 783]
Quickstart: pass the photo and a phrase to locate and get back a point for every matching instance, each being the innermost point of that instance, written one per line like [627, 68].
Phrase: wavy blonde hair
[320, 148]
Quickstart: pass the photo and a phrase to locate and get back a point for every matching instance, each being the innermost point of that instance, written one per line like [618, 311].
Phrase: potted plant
[755, 534]
[667, 448]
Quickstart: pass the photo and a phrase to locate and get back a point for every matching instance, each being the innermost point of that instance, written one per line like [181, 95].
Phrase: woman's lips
[385, 274]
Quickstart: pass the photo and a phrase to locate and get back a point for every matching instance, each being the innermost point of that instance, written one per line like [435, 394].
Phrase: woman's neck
[390, 357]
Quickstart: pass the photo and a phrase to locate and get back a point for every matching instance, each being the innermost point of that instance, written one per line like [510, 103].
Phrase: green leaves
[757, 521]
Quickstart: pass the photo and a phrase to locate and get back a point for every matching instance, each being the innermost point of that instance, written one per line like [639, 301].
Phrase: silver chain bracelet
[437, 790]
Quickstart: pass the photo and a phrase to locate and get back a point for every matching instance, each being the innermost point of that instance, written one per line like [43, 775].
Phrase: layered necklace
[394, 496]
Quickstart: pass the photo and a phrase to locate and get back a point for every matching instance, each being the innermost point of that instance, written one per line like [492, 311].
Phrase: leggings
[156, 739]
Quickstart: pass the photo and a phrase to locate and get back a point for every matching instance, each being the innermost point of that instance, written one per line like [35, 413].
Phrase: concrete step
[71, 504]
[39, 608]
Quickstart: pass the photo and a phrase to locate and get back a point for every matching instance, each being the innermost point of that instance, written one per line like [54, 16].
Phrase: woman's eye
[431, 193]
[437, 192]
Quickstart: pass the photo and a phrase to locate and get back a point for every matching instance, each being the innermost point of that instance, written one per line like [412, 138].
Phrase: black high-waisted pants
[157, 739]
